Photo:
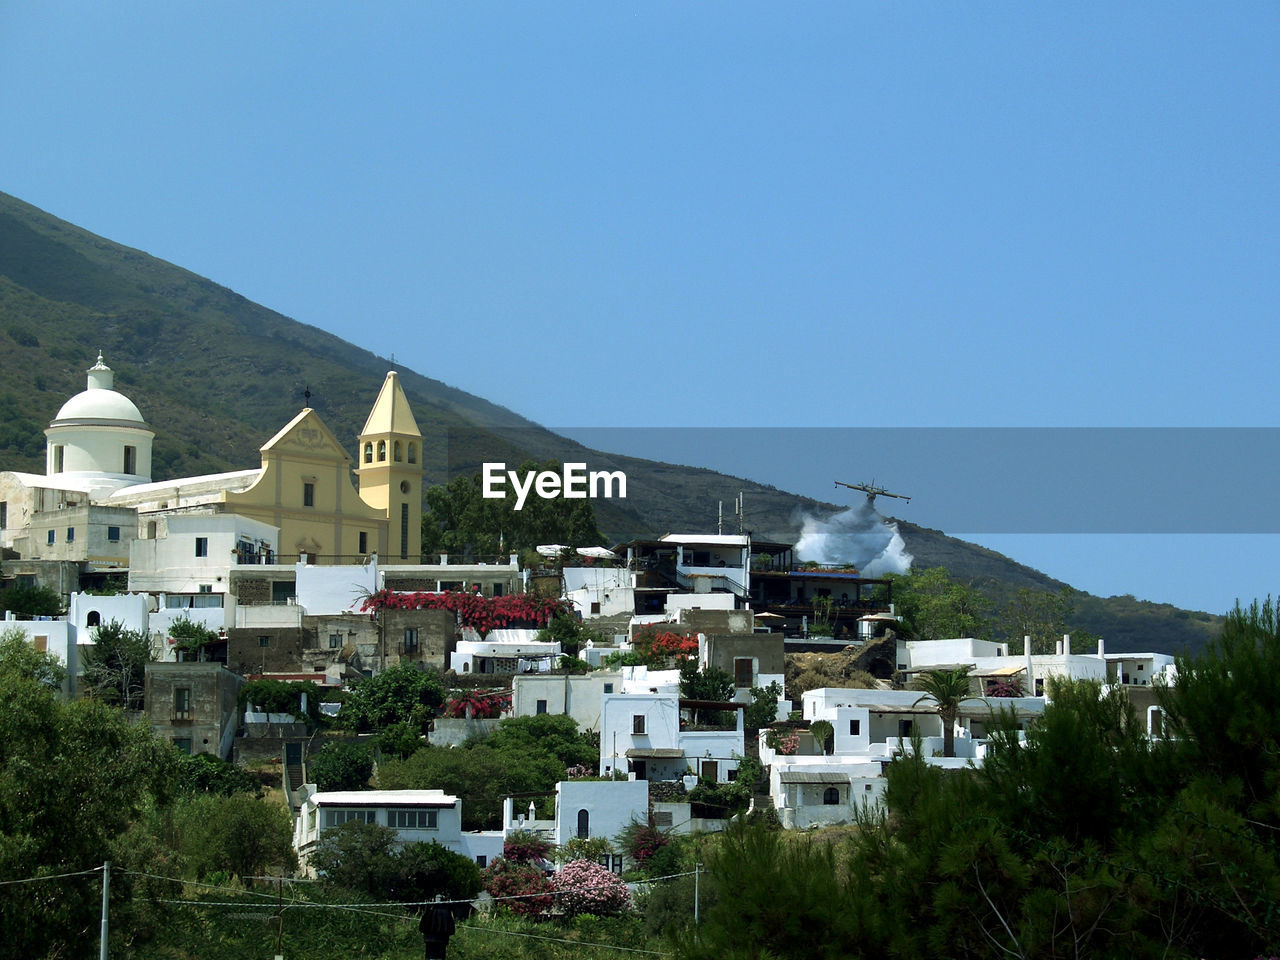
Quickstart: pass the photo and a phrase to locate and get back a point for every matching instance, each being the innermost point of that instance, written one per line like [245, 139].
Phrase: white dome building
[99, 434]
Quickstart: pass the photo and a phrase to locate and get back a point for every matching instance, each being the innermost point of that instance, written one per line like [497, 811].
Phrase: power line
[56, 876]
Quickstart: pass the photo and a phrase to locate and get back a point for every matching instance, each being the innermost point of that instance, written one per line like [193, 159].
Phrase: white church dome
[100, 404]
[99, 401]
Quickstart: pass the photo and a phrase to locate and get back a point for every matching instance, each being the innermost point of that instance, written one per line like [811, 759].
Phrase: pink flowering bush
[583, 886]
[786, 742]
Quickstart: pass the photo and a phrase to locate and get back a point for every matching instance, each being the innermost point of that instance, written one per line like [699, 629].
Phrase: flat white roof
[708, 539]
[383, 798]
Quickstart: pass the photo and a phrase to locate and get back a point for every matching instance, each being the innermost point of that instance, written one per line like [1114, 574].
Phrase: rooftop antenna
[872, 491]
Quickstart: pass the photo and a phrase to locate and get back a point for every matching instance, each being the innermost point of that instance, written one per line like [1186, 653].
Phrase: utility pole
[106, 887]
[279, 916]
[696, 867]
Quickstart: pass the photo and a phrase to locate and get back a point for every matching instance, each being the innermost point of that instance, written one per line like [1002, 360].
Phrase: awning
[1000, 671]
[654, 753]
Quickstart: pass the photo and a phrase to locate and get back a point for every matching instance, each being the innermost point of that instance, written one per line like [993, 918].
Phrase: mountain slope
[216, 375]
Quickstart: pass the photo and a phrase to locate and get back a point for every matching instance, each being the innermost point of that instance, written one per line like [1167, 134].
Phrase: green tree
[341, 765]
[399, 694]
[191, 637]
[763, 709]
[1043, 616]
[935, 607]
[947, 689]
[552, 733]
[116, 665]
[74, 777]
[365, 858]
[30, 601]
[19, 657]
[206, 773]
[710, 684]
[239, 834]
[458, 519]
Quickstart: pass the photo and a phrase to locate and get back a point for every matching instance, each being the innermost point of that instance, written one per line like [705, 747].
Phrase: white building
[505, 651]
[574, 695]
[646, 734]
[417, 816]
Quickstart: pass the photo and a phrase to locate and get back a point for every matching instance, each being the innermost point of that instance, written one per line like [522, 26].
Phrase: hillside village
[307, 571]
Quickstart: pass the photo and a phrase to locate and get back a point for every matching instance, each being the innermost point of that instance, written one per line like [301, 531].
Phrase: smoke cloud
[859, 536]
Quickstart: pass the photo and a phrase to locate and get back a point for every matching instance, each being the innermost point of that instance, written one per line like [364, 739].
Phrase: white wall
[330, 590]
[169, 564]
[611, 587]
[698, 601]
[611, 805]
[661, 729]
[57, 637]
[575, 696]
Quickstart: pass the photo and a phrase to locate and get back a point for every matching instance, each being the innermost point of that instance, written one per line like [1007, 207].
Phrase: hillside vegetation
[216, 375]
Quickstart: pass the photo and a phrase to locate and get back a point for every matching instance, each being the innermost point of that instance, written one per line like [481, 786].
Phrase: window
[368, 453]
[481, 861]
[637, 723]
[404, 531]
[364, 543]
[202, 546]
[608, 688]
[855, 727]
[203, 588]
[595, 606]
[413, 453]
[94, 619]
[336, 818]
[58, 458]
[71, 534]
[51, 538]
[182, 703]
[308, 494]
[613, 862]
[413, 819]
[410, 639]
[541, 706]
[264, 641]
[335, 641]
[183, 744]
[904, 729]
[40, 643]
[584, 824]
[113, 534]
[742, 671]
[4, 514]
[130, 459]
[395, 451]
[830, 796]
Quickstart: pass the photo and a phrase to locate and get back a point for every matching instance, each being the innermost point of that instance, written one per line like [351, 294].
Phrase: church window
[395, 451]
[368, 453]
[404, 531]
[584, 824]
[308, 494]
[413, 453]
[382, 450]
[130, 459]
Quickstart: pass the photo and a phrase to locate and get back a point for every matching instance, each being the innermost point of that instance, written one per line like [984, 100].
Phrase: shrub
[521, 888]
[342, 766]
[583, 886]
[525, 846]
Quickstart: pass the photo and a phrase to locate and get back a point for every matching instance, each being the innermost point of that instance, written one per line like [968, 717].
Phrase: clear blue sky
[799, 214]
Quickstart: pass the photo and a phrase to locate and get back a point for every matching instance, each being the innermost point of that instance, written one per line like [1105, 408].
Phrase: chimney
[1026, 646]
[1066, 644]
[1102, 648]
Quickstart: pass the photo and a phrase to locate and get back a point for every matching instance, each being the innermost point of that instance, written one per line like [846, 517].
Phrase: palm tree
[947, 689]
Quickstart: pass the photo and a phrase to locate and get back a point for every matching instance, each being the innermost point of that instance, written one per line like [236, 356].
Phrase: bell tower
[389, 467]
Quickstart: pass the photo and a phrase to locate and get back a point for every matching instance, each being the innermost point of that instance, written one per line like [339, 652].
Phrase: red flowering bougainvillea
[521, 888]
[484, 704]
[661, 647]
[473, 610]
